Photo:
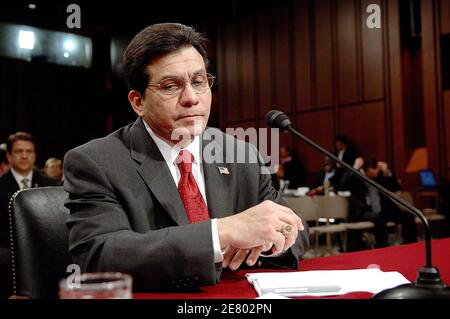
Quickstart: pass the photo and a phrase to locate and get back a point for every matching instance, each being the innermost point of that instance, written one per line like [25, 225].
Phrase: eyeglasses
[200, 83]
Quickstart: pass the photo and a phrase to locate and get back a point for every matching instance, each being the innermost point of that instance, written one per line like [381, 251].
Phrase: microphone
[428, 283]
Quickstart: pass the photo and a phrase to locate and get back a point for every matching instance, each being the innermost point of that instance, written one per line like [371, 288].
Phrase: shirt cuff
[218, 257]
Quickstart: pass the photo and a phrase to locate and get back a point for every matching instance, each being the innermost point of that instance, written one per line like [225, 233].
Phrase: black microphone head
[278, 119]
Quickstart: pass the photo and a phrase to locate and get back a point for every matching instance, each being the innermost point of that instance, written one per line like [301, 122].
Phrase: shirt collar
[18, 177]
[286, 160]
[170, 152]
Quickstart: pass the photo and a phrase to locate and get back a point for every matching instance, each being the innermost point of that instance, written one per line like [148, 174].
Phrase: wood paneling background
[435, 17]
[317, 61]
[444, 128]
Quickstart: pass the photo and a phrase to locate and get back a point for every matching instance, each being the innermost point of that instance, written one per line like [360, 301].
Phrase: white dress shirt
[170, 154]
[18, 177]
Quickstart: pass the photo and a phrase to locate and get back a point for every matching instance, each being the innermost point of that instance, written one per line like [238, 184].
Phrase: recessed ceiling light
[69, 45]
[26, 40]
[32, 6]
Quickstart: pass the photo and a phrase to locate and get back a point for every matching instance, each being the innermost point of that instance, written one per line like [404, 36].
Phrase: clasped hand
[244, 236]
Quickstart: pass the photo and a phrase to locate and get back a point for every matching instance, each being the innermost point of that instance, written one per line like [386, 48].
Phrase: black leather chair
[39, 241]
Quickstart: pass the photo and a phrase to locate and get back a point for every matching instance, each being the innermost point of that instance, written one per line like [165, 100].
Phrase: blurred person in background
[21, 154]
[328, 179]
[54, 169]
[344, 151]
[289, 169]
[368, 204]
[4, 164]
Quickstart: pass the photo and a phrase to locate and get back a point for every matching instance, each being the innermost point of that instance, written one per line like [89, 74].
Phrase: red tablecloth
[405, 259]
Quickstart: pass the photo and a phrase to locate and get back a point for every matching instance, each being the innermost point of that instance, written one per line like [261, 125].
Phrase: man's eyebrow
[169, 76]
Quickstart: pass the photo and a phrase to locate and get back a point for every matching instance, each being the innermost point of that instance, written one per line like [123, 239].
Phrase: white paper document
[324, 282]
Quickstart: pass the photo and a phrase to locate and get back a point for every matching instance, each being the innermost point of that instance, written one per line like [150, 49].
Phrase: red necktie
[189, 192]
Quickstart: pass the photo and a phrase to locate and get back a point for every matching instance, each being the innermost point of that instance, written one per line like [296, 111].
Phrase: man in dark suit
[367, 203]
[21, 153]
[328, 179]
[163, 198]
[290, 169]
[4, 165]
[343, 150]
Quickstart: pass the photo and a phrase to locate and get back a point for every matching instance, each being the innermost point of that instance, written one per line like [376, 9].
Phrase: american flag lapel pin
[224, 170]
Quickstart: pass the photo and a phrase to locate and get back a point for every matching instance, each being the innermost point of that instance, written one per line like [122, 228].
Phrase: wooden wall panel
[365, 126]
[372, 57]
[348, 60]
[394, 96]
[445, 16]
[318, 61]
[230, 85]
[319, 127]
[285, 139]
[302, 30]
[323, 51]
[219, 96]
[446, 121]
[244, 125]
[246, 62]
[282, 69]
[430, 85]
[263, 63]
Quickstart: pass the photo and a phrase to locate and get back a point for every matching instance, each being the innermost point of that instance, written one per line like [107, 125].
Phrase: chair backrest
[39, 241]
[407, 196]
[333, 206]
[304, 206]
[313, 208]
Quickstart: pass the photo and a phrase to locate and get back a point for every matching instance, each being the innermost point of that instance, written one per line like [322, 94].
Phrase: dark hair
[287, 148]
[329, 161]
[19, 136]
[153, 42]
[3, 158]
[341, 138]
[370, 163]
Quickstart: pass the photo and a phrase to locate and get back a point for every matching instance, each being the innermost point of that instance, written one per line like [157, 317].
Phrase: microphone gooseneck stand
[428, 283]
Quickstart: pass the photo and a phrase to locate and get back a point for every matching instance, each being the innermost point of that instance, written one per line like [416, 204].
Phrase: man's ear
[136, 100]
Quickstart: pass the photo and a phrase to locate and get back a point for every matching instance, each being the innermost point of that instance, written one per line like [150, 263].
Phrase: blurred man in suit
[21, 153]
[290, 169]
[328, 179]
[4, 164]
[343, 150]
[148, 200]
[367, 203]
[54, 169]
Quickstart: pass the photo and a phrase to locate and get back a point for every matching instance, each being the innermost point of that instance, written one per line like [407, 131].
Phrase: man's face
[372, 172]
[283, 152]
[22, 156]
[54, 171]
[328, 167]
[339, 145]
[170, 115]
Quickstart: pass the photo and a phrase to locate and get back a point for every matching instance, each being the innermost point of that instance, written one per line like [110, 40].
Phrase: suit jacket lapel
[36, 180]
[217, 185]
[155, 173]
[12, 183]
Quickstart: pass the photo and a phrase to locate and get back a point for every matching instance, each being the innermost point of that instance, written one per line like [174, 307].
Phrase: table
[405, 259]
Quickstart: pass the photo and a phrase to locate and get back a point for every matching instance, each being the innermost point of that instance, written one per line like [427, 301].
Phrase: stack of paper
[324, 283]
